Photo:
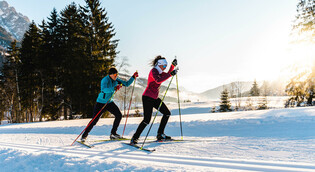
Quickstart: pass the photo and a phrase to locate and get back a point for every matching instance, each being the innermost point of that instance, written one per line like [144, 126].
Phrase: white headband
[162, 62]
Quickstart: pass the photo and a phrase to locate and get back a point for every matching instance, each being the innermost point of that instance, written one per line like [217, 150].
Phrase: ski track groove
[129, 155]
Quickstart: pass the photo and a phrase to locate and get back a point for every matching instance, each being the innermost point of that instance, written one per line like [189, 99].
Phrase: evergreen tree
[9, 84]
[62, 63]
[225, 105]
[304, 31]
[310, 87]
[101, 48]
[30, 76]
[254, 91]
[296, 88]
[75, 64]
[51, 52]
[213, 109]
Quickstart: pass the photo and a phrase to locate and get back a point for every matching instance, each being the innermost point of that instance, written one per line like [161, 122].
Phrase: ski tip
[83, 143]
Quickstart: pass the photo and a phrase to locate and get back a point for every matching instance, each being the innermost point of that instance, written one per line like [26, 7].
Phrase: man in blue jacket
[109, 85]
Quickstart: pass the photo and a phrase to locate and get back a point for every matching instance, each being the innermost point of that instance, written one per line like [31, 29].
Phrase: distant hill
[215, 93]
[275, 88]
[171, 96]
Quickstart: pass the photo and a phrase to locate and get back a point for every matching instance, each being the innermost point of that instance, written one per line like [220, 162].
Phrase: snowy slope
[270, 140]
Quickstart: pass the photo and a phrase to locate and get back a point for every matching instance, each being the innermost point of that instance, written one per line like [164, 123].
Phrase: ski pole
[94, 117]
[157, 112]
[180, 114]
[129, 106]
[180, 118]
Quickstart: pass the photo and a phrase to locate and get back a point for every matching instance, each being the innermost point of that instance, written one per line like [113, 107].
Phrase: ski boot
[83, 139]
[115, 137]
[163, 137]
[134, 141]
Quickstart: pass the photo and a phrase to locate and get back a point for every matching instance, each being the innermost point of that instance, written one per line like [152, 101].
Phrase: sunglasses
[164, 66]
[115, 74]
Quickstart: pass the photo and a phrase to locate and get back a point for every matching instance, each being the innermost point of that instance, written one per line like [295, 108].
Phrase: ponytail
[154, 62]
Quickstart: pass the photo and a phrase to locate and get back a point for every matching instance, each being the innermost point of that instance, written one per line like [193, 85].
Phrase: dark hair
[153, 63]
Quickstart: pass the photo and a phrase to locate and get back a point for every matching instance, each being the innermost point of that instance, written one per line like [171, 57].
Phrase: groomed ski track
[126, 154]
[271, 140]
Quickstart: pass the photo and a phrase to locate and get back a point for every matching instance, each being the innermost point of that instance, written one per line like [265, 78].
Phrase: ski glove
[174, 63]
[174, 72]
[135, 75]
[117, 87]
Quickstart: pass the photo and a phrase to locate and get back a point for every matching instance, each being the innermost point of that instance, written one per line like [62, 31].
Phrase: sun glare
[289, 61]
[302, 57]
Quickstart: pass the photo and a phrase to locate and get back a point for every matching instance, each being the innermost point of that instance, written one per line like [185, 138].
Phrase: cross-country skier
[109, 85]
[150, 98]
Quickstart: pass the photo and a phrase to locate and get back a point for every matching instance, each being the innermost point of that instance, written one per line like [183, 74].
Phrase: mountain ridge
[12, 21]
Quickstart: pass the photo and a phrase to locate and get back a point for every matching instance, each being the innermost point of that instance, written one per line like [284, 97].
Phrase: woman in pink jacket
[151, 100]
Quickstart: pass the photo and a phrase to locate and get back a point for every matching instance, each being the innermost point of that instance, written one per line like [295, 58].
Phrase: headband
[162, 62]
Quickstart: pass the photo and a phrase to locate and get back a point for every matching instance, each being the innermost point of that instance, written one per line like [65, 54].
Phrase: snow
[267, 140]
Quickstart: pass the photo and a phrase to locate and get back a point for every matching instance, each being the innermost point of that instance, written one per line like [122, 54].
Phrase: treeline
[301, 88]
[56, 70]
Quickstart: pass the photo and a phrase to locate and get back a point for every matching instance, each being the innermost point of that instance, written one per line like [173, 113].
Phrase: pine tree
[213, 109]
[9, 84]
[297, 89]
[225, 105]
[51, 52]
[254, 91]
[304, 32]
[75, 64]
[310, 87]
[63, 62]
[303, 26]
[30, 77]
[101, 48]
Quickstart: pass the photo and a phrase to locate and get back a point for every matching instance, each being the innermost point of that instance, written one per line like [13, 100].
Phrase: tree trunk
[310, 99]
[65, 110]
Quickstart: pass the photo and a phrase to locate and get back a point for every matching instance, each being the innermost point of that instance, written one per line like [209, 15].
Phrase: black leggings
[148, 104]
[112, 108]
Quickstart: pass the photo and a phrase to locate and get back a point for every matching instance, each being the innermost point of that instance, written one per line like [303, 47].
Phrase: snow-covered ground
[268, 140]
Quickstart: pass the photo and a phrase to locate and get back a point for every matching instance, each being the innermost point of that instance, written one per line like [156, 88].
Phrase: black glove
[174, 62]
[174, 72]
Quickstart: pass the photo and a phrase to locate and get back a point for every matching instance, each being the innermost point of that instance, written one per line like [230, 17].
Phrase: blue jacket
[108, 88]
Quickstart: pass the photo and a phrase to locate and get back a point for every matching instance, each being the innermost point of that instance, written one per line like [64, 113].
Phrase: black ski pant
[148, 105]
[112, 108]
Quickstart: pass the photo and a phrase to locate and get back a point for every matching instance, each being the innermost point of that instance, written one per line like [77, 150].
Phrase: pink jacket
[154, 82]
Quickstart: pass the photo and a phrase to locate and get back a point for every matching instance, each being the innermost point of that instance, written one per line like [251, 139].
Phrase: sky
[215, 41]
